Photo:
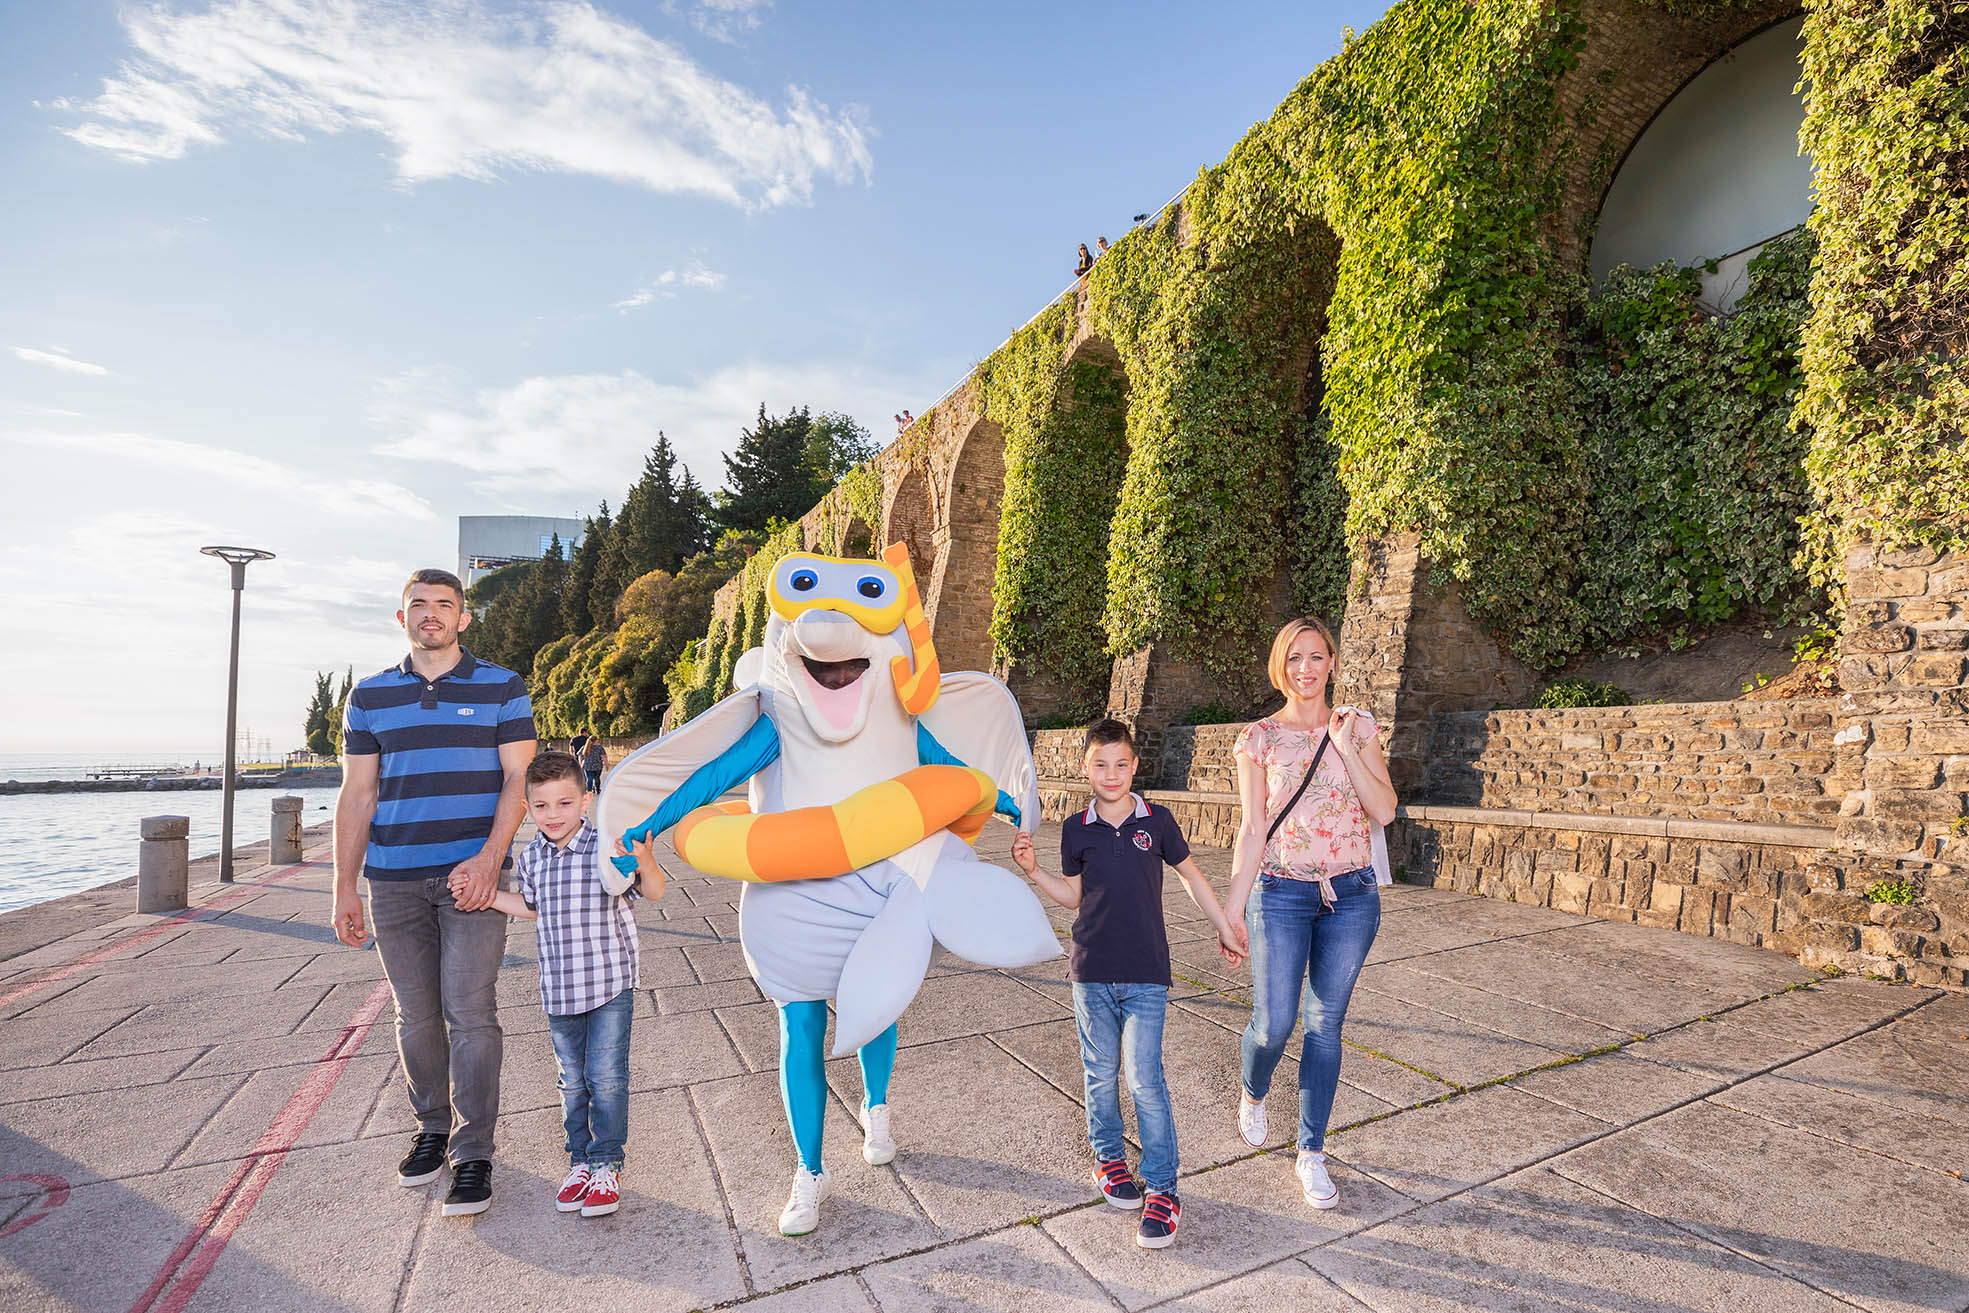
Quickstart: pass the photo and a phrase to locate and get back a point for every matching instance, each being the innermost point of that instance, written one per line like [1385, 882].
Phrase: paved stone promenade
[1541, 1111]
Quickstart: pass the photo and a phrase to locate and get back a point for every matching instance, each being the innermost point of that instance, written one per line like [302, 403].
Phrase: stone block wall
[1702, 879]
[1767, 762]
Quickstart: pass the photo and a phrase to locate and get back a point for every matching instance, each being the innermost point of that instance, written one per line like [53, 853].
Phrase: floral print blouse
[1327, 833]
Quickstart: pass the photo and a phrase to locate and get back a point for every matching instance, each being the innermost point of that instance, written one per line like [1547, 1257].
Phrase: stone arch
[1633, 61]
[857, 539]
[911, 521]
[972, 498]
[1716, 172]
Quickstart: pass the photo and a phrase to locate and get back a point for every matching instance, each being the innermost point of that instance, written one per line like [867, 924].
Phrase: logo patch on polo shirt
[1142, 840]
[465, 711]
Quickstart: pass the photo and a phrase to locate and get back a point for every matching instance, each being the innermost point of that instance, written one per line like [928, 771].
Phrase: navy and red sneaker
[1159, 1214]
[1117, 1184]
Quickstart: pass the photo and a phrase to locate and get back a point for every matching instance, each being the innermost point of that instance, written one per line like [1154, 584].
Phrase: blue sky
[323, 276]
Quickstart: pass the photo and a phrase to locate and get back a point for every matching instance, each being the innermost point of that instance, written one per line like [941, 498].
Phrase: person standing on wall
[434, 758]
[1315, 792]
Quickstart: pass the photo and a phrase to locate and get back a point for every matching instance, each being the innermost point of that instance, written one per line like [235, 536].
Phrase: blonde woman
[1315, 791]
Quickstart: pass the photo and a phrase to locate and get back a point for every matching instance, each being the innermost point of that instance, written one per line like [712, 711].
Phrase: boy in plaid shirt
[588, 974]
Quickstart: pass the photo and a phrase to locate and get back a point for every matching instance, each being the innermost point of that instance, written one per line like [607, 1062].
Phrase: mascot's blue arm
[735, 765]
[932, 753]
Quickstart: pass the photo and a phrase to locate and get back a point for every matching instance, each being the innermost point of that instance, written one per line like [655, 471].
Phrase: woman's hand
[1344, 730]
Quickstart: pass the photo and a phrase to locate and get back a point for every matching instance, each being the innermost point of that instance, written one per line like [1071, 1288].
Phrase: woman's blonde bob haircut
[1275, 665]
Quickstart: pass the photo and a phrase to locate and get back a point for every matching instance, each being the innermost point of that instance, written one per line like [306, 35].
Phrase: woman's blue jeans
[592, 1051]
[1300, 945]
[1121, 1028]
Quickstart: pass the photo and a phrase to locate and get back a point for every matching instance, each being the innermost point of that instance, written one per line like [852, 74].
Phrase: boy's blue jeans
[1121, 1026]
[592, 1051]
[1300, 944]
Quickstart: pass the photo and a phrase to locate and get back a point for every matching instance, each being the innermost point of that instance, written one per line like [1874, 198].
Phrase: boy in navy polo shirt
[1111, 859]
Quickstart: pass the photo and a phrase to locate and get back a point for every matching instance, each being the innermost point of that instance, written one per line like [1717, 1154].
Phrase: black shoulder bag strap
[1300, 792]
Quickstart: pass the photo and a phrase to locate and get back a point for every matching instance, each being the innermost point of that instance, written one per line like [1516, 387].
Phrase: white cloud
[340, 496]
[553, 86]
[58, 359]
[664, 286]
[724, 20]
[587, 433]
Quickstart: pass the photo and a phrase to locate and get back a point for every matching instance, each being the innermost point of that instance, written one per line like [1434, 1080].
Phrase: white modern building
[486, 542]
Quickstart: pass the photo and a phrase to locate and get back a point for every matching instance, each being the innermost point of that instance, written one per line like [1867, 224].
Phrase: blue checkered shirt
[587, 936]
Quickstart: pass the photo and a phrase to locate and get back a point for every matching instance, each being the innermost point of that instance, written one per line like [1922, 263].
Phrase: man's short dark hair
[1107, 730]
[433, 575]
[547, 767]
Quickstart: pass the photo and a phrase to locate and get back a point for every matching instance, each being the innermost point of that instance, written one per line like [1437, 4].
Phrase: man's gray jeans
[443, 965]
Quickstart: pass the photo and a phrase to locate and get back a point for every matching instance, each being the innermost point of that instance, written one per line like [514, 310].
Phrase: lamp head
[237, 555]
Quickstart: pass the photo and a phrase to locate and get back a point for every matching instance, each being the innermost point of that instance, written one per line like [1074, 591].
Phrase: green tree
[576, 618]
[661, 525]
[315, 729]
[340, 710]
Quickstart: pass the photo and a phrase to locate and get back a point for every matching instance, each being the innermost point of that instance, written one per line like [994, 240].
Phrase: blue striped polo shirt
[439, 779]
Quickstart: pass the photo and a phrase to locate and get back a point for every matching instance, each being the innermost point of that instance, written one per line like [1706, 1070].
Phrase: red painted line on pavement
[54, 1193]
[189, 1264]
[171, 922]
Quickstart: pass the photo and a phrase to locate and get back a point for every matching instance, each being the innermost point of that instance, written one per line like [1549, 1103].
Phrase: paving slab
[753, 1029]
[1430, 1152]
[1537, 1241]
[1915, 1068]
[1616, 1087]
[1827, 1011]
[1720, 1050]
[1288, 1285]
[265, 1095]
[58, 1035]
[1493, 1012]
[63, 1080]
[668, 1247]
[1012, 1146]
[92, 1137]
[869, 1216]
[975, 1003]
[1607, 996]
[841, 1294]
[1447, 1048]
[671, 999]
[189, 1023]
[1236, 1219]
[1691, 1167]
[1017, 1268]
[1672, 955]
[1932, 1142]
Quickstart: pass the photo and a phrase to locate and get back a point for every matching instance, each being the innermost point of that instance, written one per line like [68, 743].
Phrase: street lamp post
[238, 558]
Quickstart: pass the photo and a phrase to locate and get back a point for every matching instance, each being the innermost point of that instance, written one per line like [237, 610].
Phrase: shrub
[1583, 693]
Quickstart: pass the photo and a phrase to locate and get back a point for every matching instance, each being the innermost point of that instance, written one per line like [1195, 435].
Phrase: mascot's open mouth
[835, 674]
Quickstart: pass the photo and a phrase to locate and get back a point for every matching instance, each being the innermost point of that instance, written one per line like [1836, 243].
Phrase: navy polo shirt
[1118, 936]
[439, 778]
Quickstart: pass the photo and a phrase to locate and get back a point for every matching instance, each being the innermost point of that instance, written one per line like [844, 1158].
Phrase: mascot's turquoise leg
[802, 1076]
[878, 1059]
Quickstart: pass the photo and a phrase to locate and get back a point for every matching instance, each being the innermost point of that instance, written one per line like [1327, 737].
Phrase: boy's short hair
[549, 766]
[433, 575]
[1105, 731]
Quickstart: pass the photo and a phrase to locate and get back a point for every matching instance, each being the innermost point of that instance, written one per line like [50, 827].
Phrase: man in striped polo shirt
[434, 757]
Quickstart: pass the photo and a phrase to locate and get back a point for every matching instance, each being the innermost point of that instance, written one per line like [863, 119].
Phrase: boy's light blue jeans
[1298, 944]
[591, 1049]
[1121, 1026]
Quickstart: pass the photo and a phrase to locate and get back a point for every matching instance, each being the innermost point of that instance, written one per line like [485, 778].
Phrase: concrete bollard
[285, 844]
[163, 863]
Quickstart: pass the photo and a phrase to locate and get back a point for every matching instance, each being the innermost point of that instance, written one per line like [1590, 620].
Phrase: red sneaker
[604, 1194]
[576, 1185]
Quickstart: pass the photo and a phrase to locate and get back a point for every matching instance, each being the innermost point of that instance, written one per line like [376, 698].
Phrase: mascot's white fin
[977, 720]
[883, 970]
[643, 779]
[985, 914]
[751, 664]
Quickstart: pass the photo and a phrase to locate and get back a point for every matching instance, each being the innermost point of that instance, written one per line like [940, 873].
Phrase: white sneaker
[877, 1145]
[1251, 1123]
[802, 1211]
[1318, 1186]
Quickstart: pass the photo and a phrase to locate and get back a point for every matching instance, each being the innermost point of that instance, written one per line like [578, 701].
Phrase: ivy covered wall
[1372, 320]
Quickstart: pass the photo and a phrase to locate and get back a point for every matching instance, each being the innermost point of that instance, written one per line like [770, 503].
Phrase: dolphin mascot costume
[868, 773]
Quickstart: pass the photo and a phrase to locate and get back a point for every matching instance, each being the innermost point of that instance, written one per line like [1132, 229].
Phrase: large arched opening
[911, 520]
[970, 556]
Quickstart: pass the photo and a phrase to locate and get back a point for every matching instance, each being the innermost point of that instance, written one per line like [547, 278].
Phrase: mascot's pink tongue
[838, 705]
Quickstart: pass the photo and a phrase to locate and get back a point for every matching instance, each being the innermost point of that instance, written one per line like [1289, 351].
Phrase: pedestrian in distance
[1084, 263]
[594, 760]
[590, 964]
[1315, 792]
[434, 758]
[1111, 860]
[1100, 247]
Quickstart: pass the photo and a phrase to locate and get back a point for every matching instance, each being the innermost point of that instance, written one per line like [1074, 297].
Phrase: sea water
[59, 843]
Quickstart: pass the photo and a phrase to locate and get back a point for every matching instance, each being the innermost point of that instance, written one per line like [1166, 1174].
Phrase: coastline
[313, 778]
[24, 929]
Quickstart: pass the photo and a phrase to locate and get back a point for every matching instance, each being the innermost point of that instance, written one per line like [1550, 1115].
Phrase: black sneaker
[1158, 1228]
[425, 1159]
[1118, 1184]
[471, 1189]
